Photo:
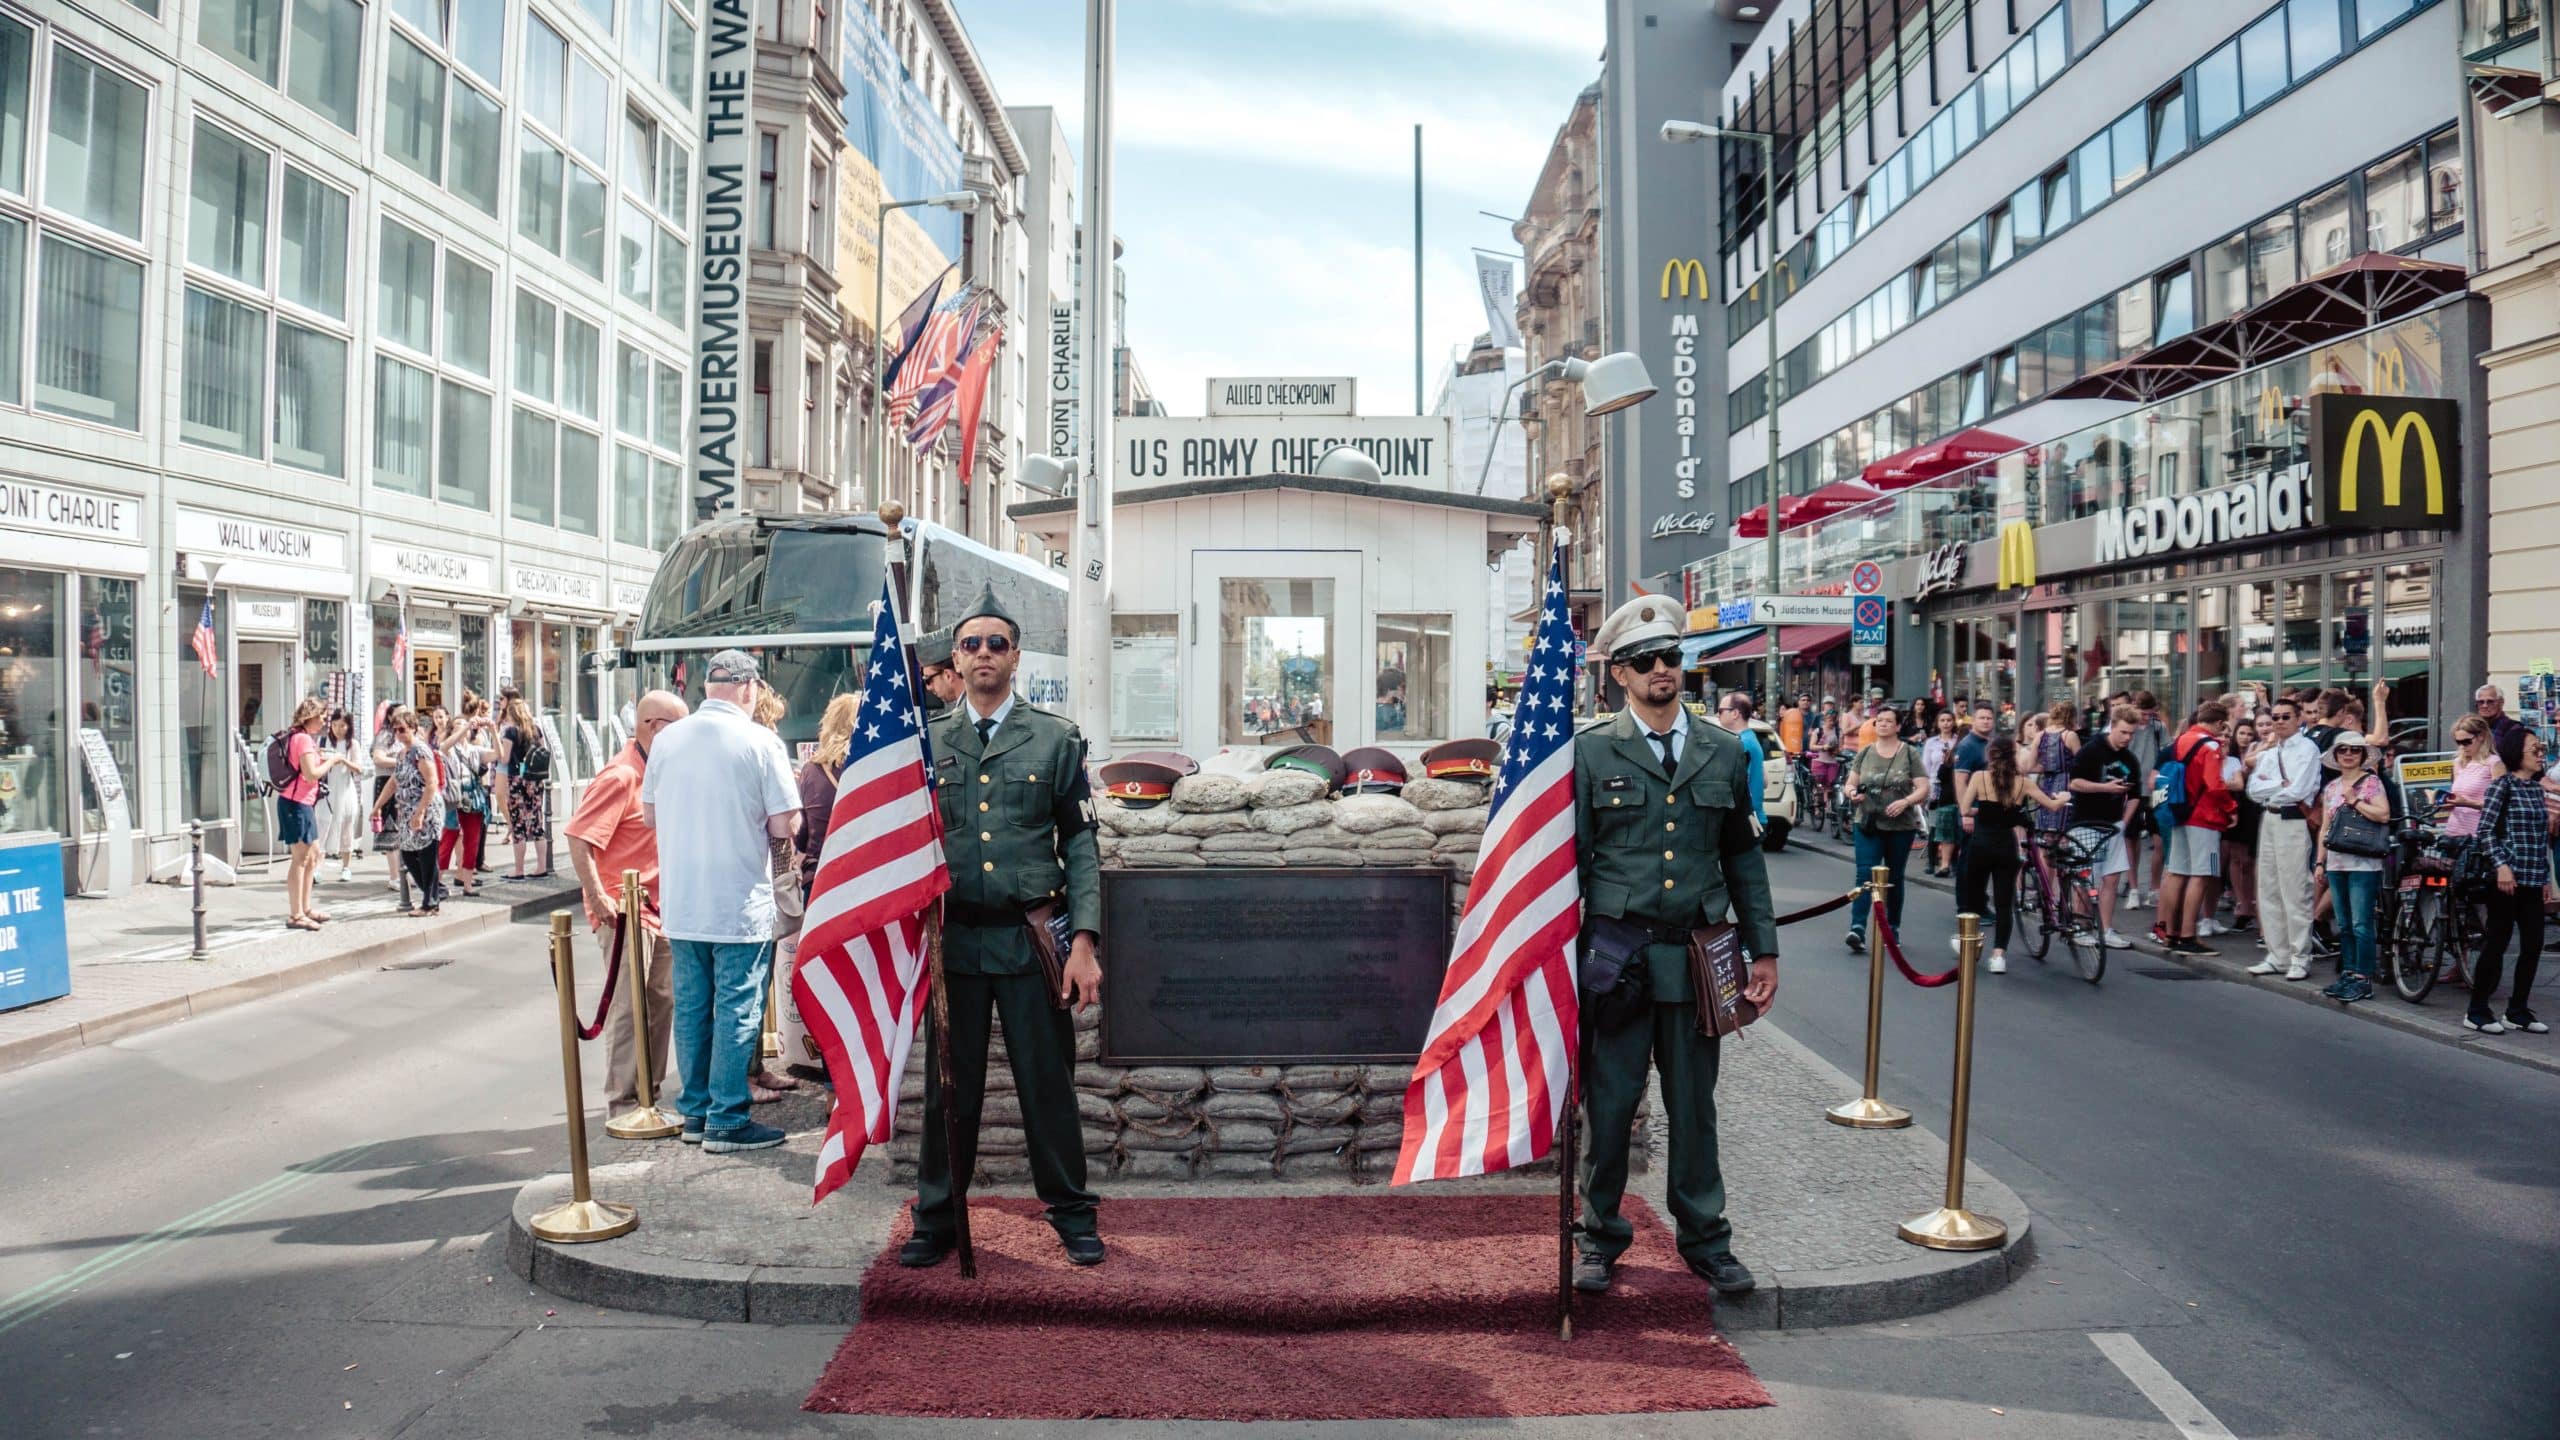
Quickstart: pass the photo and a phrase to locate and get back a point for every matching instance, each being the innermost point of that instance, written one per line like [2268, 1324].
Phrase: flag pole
[1569, 1157]
[942, 1076]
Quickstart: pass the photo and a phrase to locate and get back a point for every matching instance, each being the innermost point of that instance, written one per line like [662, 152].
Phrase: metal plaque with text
[1271, 966]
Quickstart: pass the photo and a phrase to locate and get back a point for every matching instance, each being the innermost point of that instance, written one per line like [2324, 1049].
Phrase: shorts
[2108, 844]
[2195, 851]
[295, 822]
[1944, 827]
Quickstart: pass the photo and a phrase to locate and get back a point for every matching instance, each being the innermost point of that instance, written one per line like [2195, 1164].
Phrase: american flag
[1490, 1089]
[932, 354]
[202, 642]
[861, 980]
[400, 646]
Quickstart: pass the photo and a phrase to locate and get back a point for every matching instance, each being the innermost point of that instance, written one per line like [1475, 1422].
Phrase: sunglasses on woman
[972, 644]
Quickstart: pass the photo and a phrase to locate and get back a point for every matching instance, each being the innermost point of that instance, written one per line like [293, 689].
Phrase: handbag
[2352, 833]
[1719, 974]
[1612, 977]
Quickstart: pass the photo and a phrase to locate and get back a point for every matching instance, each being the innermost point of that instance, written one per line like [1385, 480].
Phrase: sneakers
[750, 1136]
[1999, 963]
[346, 875]
[1591, 1273]
[2267, 967]
[2349, 989]
[691, 1134]
[2181, 945]
[2298, 972]
[2115, 941]
[1857, 938]
[2161, 937]
[2205, 929]
[2485, 1024]
[1956, 943]
[2241, 924]
[2523, 1020]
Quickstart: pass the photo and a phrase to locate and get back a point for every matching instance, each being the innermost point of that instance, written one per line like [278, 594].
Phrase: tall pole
[1769, 382]
[879, 358]
[1417, 269]
[1089, 543]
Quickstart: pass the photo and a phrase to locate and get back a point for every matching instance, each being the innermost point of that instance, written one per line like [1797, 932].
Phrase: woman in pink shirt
[2475, 765]
[297, 820]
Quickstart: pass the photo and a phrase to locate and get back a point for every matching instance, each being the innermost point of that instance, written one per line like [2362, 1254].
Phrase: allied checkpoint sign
[35, 956]
[1280, 966]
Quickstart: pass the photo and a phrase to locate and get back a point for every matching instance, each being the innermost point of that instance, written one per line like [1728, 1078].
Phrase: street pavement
[281, 1219]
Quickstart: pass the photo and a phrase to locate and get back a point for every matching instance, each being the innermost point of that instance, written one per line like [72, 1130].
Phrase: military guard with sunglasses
[1665, 841]
[1018, 822]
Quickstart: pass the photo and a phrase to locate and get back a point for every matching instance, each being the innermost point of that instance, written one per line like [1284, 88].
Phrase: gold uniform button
[1665, 884]
[986, 779]
[990, 865]
[1671, 799]
[982, 805]
[983, 835]
[1667, 855]
[1028, 776]
[1670, 825]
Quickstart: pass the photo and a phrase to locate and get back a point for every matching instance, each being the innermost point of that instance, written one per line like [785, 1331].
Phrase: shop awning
[1798, 510]
[2332, 305]
[1938, 457]
[1792, 640]
[1698, 651]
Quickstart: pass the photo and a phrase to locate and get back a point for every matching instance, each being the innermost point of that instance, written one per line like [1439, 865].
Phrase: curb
[147, 1015]
[2389, 1011]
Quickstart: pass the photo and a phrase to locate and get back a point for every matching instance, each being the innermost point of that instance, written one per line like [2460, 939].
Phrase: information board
[35, 958]
[1272, 966]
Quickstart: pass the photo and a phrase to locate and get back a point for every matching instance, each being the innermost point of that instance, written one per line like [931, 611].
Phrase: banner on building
[1063, 383]
[1495, 281]
[728, 141]
[895, 147]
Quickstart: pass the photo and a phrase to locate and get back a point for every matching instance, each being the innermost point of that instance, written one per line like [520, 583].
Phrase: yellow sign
[2429, 771]
[2391, 372]
[2017, 556]
[2271, 409]
[2392, 439]
[1690, 274]
[1702, 617]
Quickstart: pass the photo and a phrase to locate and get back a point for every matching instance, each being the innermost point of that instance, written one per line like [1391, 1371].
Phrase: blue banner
[35, 956]
[889, 121]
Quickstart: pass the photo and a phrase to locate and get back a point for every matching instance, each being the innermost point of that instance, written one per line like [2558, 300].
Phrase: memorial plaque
[1271, 966]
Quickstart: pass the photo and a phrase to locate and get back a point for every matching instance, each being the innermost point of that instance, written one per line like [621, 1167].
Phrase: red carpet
[1318, 1308]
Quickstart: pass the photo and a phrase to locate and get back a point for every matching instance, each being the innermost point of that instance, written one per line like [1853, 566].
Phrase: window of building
[760, 407]
[2373, 16]
[600, 11]
[2168, 123]
[561, 154]
[2174, 303]
[432, 407]
[822, 210]
[651, 256]
[2263, 72]
[2313, 27]
[768, 186]
[317, 59]
[2130, 137]
[648, 466]
[88, 309]
[555, 469]
[2444, 181]
[435, 119]
[1275, 656]
[676, 69]
[2057, 199]
[2395, 203]
[1413, 678]
[813, 383]
[2327, 228]
[2093, 173]
[2226, 277]
[2273, 266]
[94, 144]
[2217, 79]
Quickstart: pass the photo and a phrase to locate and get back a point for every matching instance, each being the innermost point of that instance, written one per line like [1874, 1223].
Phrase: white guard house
[1258, 607]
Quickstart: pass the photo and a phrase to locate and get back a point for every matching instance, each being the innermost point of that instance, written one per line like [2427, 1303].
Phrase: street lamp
[1681, 132]
[958, 202]
[1609, 384]
[1349, 462]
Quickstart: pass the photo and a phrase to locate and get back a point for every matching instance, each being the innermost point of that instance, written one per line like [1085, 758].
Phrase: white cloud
[1533, 24]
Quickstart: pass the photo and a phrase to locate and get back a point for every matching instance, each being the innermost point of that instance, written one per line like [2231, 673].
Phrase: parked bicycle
[2058, 895]
[2426, 927]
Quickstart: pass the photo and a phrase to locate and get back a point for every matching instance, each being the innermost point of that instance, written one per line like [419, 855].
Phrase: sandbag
[1238, 1167]
[1327, 836]
[1107, 845]
[1247, 840]
[1321, 1165]
[1366, 814]
[1381, 1109]
[1100, 1079]
[1289, 819]
[1312, 856]
[1323, 1107]
[1276, 789]
[1244, 1077]
[1159, 844]
[1319, 1139]
[1166, 1084]
[1454, 822]
[1003, 1169]
[1154, 1165]
[1429, 794]
[1400, 837]
[1401, 858]
[1003, 1140]
[1088, 1044]
[1208, 792]
[1101, 1139]
[1374, 1138]
[1244, 760]
[1221, 822]
[1094, 1110]
[1385, 1079]
[1223, 1106]
[1163, 860]
[1244, 859]
[1319, 1077]
[1119, 819]
[1244, 1137]
[1183, 1141]
[1001, 1110]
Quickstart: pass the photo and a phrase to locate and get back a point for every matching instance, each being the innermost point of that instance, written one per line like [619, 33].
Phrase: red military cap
[1372, 770]
[1462, 760]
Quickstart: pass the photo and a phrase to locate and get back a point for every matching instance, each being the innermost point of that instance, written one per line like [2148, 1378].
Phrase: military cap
[1313, 759]
[1174, 760]
[1462, 760]
[1138, 783]
[1646, 623]
[988, 608]
[1372, 770]
[933, 647]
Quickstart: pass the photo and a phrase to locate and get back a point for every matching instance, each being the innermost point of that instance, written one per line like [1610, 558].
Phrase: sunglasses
[992, 644]
[1641, 664]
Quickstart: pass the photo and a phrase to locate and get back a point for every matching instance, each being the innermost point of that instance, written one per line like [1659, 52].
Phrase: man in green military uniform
[1665, 841]
[1018, 825]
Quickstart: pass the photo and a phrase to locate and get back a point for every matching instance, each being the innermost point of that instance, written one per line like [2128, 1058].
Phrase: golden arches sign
[2392, 440]
[1690, 274]
[2354, 436]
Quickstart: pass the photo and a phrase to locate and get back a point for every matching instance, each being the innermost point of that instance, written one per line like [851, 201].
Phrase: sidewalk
[2440, 1019]
[1814, 1207]
[129, 965]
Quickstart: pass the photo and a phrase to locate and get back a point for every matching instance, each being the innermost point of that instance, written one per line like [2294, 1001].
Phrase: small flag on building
[208, 652]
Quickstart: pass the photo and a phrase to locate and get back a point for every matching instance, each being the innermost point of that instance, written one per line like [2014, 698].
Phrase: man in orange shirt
[606, 837]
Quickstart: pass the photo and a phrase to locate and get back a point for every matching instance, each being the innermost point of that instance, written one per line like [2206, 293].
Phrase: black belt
[990, 917]
[2289, 812]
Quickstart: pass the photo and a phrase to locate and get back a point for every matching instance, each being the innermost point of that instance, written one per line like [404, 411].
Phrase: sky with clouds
[1265, 168]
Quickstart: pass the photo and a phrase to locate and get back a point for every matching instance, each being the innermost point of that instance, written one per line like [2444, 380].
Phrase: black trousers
[1995, 870]
[1040, 1040]
[425, 880]
[2519, 915]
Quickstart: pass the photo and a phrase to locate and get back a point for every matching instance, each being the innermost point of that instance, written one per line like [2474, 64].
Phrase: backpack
[2169, 800]
[534, 766]
[281, 771]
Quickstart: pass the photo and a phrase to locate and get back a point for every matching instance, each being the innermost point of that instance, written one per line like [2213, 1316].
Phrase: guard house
[1265, 609]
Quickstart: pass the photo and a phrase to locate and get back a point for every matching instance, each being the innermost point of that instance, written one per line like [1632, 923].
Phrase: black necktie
[986, 727]
[1662, 742]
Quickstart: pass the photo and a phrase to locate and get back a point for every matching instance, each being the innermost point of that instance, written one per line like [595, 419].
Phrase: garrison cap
[1138, 783]
[987, 608]
[1313, 759]
[1372, 770]
[933, 647]
[1462, 760]
[1646, 623]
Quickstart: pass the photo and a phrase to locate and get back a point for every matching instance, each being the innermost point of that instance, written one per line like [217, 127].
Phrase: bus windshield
[742, 579]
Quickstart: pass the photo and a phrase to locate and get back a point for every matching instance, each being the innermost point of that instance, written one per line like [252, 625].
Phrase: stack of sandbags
[1160, 1132]
[1387, 829]
[1454, 812]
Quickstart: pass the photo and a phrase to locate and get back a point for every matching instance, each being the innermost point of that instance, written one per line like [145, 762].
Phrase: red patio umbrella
[1797, 510]
[1938, 457]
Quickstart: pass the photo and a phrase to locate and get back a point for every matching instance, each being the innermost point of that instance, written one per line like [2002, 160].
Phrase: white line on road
[2161, 1388]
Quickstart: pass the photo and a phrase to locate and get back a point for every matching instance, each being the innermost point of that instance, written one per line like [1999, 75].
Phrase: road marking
[37, 1299]
[2161, 1388]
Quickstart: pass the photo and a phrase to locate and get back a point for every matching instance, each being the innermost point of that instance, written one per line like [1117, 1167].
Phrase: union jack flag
[933, 353]
[941, 397]
[1490, 1089]
[861, 980]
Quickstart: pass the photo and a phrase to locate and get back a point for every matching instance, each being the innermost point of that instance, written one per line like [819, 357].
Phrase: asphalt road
[276, 1221]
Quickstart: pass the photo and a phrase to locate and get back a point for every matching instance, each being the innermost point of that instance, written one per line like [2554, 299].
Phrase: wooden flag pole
[1568, 1167]
[942, 1079]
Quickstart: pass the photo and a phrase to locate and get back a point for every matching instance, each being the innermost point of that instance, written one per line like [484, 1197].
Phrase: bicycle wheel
[2086, 939]
[2424, 927]
[2035, 919]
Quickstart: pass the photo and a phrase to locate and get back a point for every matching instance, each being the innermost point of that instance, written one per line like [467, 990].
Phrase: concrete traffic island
[1814, 1207]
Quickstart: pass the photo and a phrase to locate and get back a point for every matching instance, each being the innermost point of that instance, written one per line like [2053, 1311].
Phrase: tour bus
[796, 591]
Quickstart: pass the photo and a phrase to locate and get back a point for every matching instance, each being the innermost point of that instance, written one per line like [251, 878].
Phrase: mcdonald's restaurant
[2318, 521]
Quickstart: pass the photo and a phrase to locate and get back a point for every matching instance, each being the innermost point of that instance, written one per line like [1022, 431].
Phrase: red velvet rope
[612, 978]
[1893, 948]
[1816, 912]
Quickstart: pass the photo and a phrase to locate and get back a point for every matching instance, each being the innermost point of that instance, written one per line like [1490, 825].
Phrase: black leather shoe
[1728, 1275]
[1591, 1274]
[1083, 1249]
[923, 1252]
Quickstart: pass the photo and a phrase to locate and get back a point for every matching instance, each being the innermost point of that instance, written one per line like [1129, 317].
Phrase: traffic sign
[1866, 578]
[1867, 630]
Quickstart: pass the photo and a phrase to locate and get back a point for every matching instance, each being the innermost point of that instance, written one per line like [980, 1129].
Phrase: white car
[1779, 802]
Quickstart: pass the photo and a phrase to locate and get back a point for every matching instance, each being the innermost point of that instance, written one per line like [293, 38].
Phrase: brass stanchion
[1867, 1112]
[770, 1048]
[582, 1217]
[1951, 1226]
[644, 1121]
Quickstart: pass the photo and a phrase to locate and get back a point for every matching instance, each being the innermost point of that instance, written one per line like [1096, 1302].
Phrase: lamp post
[1680, 132]
[1609, 384]
[959, 202]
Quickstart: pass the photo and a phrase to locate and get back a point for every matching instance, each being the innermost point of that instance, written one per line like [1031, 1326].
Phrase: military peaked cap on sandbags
[1372, 770]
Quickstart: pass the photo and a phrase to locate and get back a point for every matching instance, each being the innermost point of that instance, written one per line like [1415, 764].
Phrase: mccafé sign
[2249, 510]
[2387, 463]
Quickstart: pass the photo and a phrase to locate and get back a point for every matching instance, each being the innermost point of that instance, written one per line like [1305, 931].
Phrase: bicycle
[2070, 908]
[2424, 925]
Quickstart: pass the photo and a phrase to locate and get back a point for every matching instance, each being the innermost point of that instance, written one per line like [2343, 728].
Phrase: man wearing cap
[1665, 842]
[1018, 822]
[718, 790]
[942, 685]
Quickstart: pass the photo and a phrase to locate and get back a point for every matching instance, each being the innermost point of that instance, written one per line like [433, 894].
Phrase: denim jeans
[719, 989]
[2353, 898]
[1892, 850]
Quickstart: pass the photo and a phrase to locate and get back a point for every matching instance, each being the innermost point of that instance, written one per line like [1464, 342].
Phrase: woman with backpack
[295, 753]
[524, 759]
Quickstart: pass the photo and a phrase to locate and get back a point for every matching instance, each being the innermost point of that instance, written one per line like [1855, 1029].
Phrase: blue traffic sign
[1867, 621]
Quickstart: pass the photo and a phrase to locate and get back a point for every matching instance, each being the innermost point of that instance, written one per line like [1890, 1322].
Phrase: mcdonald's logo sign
[2271, 409]
[2391, 372]
[1689, 275]
[2385, 463]
[2017, 556]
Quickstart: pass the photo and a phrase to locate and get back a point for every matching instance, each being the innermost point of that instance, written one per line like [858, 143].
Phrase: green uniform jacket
[1018, 828]
[1676, 853]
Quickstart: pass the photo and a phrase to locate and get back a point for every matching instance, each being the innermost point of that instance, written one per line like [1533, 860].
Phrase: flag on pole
[1494, 281]
[939, 400]
[1489, 1090]
[400, 646]
[202, 642]
[910, 324]
[861, 979]
[972, 401]
[941, 340]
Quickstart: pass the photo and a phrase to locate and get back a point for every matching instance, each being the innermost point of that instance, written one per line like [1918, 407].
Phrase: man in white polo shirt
[718, 790]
